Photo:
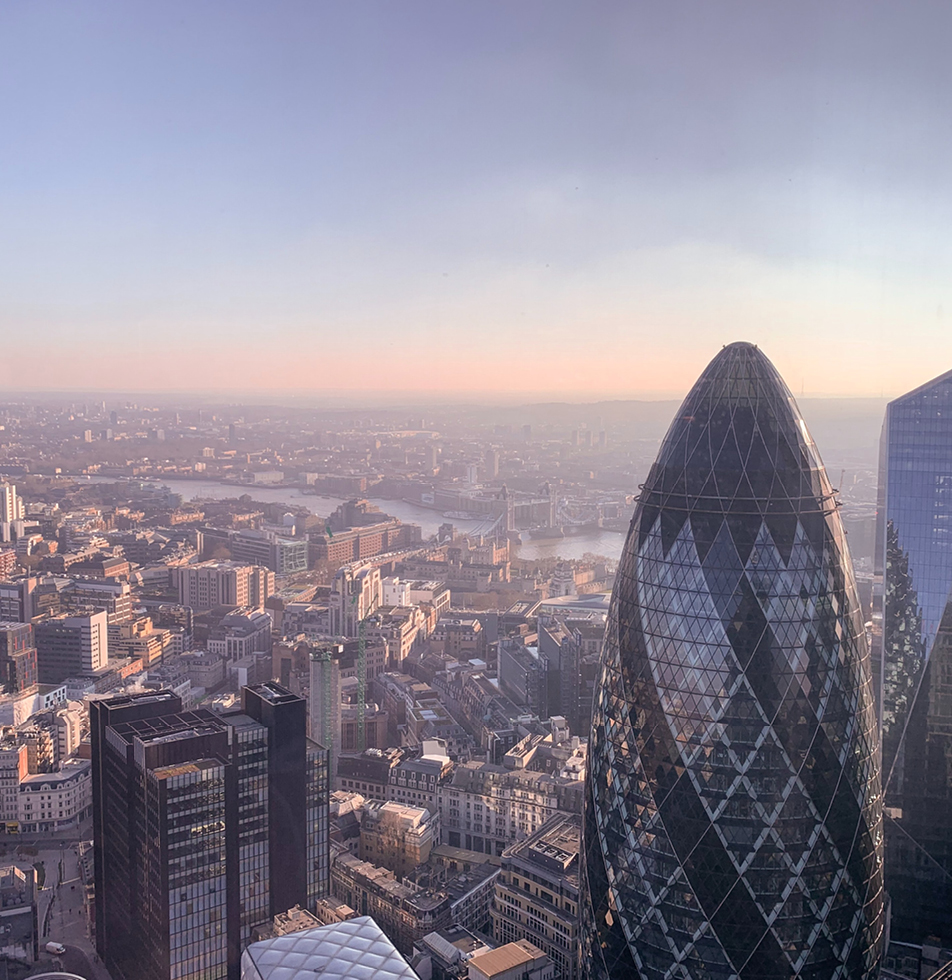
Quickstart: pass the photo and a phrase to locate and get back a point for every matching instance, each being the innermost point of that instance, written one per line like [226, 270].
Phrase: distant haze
[571, 200]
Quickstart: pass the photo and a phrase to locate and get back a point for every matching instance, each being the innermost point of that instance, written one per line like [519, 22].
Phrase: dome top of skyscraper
[739, 445]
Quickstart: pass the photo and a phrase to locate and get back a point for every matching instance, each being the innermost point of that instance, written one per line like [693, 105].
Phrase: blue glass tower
[913, 645]
[733, 820]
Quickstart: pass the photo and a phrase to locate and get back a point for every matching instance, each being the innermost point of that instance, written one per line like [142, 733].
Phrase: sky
[499, 197]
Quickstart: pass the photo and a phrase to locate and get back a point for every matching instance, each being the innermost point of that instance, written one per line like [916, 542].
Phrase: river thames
[605, 543]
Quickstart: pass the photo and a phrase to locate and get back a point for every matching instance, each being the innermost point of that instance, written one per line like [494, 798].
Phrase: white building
[51, 801]
[68, 721]
[11, 506]
[396, 591]
[355, 594]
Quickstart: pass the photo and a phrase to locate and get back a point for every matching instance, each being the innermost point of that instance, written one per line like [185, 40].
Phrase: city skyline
[274, 192]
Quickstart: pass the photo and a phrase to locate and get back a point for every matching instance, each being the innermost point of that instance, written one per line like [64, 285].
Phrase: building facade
[397, 836]
[18, 670]
[53, 801]
[485, 807]
[200, 823]
[223, 583]
[733, 821]
[913, 649]
[404, 912]
[71, 646]
[537, 893]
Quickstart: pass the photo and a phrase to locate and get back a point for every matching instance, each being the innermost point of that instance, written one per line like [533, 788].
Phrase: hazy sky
[547, 196]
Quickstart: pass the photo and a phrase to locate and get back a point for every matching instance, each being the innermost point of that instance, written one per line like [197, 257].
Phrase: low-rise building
[396, 836]
[241, 634]
[283, 555]
[14, 766]
[139, 638]
[20, 934]
[471, 895]
[435, 594]
[206, 670]
[54, 801]
[405, 913]
[222, 583]
[367, 773]
[329, 910]
[416, 782]
[461, 638]
[514, 961]
[485, 807]
[354, 948]
[445, 955]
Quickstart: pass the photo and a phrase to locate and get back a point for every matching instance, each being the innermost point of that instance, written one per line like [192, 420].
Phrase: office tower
[324, 699]
[913, 640]
[11, 506]
[318, 823]
[17, 657]
[285, 716]
[204, 826]
[71, 646]
[733, 816]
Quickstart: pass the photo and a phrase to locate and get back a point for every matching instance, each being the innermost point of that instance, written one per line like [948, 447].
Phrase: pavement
[61, 913]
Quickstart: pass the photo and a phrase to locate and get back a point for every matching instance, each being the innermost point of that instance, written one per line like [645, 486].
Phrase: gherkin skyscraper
[733, 820]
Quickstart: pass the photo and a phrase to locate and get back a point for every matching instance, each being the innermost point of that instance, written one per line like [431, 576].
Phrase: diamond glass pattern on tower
[733, 818]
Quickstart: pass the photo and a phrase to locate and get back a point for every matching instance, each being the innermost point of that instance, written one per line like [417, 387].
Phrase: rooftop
[341, 951]
[506, 958]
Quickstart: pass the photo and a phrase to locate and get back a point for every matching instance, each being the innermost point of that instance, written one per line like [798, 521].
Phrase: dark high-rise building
[733, 818]
[205, 826]
[913, 647]
[291, 834]
[17, 657]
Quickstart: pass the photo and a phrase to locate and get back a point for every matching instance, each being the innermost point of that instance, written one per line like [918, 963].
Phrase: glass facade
[197, 818]
[733, 817]
[913, 624]
[318, 831]
[250, 751]
[190, 800]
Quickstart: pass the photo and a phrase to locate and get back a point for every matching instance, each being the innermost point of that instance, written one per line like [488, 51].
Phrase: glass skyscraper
[913, 646]
[733, 818]
[205, 826]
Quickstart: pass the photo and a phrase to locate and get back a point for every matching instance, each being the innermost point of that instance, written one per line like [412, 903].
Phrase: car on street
[57, 948]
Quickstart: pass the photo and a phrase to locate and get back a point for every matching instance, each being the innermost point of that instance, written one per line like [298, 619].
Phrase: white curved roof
[351, 950]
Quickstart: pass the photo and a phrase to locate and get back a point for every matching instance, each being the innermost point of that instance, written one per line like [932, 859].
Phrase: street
[61, 914]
